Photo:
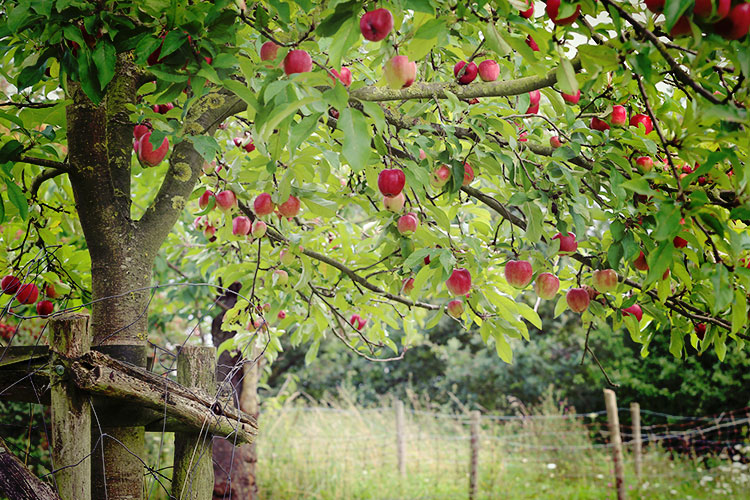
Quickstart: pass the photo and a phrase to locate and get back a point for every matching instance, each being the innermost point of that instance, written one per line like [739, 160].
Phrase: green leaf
[676, 343]
[723, 293]
[495, 41]
[16, 196]
[206, 146]
[173, 41]
[503, 347]
[343, 12]
[104, 57]
[739, 311]
[530, 315]
[356, 147]
[345, 37]
[566, 77]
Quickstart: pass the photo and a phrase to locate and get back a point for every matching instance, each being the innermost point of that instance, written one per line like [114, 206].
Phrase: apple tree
[364, 169]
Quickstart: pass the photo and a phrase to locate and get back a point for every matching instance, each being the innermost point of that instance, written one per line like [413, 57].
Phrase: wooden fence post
[474, 461]
[635, 417]
[613, 421]
[70, 409]
[193, 475]
[400, 438]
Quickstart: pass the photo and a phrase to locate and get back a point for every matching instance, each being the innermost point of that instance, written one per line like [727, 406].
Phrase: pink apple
[518, 273]
[528, 13]
[468, 174]
[205, 198]
[555, 141]
[281, 315]
[577, 299]
[209, 231]
[619, 116]
[532, 43]
[147, 155]
[455, 308]
[546, 286]
[376, 24]
[263, 205]
[399, 72]
[408, 286]
[259, 229]
[634, 310]
[604, 280]
[407, 224]
[286, 257]
[345, 76]
[640, 262]
[572, 98]
[468, 74]
[645, 163]
[391, 181]
[199, 222]
[357, 321]
[440, 176]
[241, 226]
[226, 200]
[553, 7]
[268, 51]
[489, 70]
[534, 98]
[238, 141]
[737, 24]
[290, 208]
[422, 155]
[280, 277]
[568, 244]
[139, 130]
[641, 119]
[394, 204]
[297, 61]
[597, 124]
[459, 282]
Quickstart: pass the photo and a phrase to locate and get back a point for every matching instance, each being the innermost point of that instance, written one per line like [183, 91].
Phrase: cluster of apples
[7, 331]
[28, 293]
[465, 73]
[713, 16]
[144, 150]
[224, 200]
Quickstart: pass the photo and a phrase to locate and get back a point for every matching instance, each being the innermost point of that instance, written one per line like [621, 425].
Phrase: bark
[18, 482]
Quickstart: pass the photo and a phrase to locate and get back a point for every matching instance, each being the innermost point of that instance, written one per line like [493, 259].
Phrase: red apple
[572, 98]
[345, 76]
[459, 282]
[736, 24]
[263, 205]
[534, 98]
[546, 286]
[619, 116]
[700, 330]
[408, 286]
[634, 310]
[532, 43]
[44, 308]
[705, 9]
[280, 277]
[555, 141]
[399, 72]
[468, 74]
[297, 61]
[259, 229]
[290, 208]
[226, 200]
[408, 224]
[681, 27]
[641, 119]
[489, 70]
[522, 137]
[640, 262]
[597, 124]
[468, 174]
[376, 24]
[604, 280]
[645, 163]
[394, 203]
[528, 13]
[679, 242]
[281, 315]
[268, 51]
[568, 244]
[27, 293]
[655, 6]
[391, 181]
[455, 308]
[440, 176]
[553, 7]
[140, 130]
[205, 198]
[10, 284]
[241, 226]
[146, 153]
[578, 299]
[50, 291]
[249, 147]
[518, 273]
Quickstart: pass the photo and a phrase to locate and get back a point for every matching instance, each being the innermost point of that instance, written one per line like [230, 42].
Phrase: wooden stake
[613, 421]
[635, 417]
[474, 461]
[70, 409]
[400, 438]
[193, 475]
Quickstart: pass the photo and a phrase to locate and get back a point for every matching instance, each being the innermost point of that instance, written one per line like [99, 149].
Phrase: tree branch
[48, 174]
[43, 162]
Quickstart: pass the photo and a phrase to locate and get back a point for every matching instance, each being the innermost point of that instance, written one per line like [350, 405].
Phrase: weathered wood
[615, 440]
[99, 374]
[400, 441]
[474, 461]
[24, 385]
[193, 473]
[23, 354]
[18, 482]
[635, 418]
[71, 411]
[249, 403]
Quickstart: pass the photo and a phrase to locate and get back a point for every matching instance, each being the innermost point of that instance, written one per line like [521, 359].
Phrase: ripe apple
[736, 24]
[280, 277]
[10, 284]
[259, 229]
[297, 61]
[209, 231]
[146, 153]
[681, 27]
[455, 308]
[700, 330]
[27, 293]
[249, 147]
[568, 244]
[572, 98]
[555, 141]
[226, 200]
[641, 119]
[534, 98]
[290, 208]
[440, 176]
[50, 291]
[44, 308]
[578, 299]
[604, 280]
[468, 174]
[205, 198]
[394, 204]
[705, 9]
[399, 72]
[619, 116]
[597, 124]
[241, 226]
[528, 13]
[286, 257]
[655, 6]
[522, 137]
[532, 43]
[281, 315]
[407, 224]
[553, 7]
[408, 286]
[459, 282]
[376, 24]
[263, 205]
[645, 163]
[468, 74]
[640, 262]
[139, 130]
[679, 242]
[518, 273]
[162, 108]
[391, 181]
[345, 76]
[634, 310]
[268, 51]
[546, 286]
[489, 70]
